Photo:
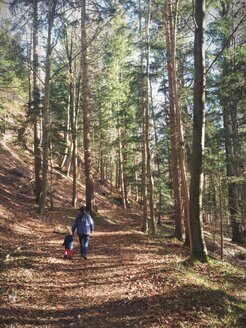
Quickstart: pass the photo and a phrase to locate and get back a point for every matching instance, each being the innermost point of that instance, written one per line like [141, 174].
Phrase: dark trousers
[84, 244]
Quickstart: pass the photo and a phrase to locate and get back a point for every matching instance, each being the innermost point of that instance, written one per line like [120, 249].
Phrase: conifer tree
[198, 246]
[46, 110]
[36, 104]
[89, 181]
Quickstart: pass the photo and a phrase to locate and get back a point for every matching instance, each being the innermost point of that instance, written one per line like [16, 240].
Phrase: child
[68, 245]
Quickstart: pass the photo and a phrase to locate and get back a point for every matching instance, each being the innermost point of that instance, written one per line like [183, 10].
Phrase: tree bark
[147, 125]
[65, 161]
[183, 168]
[198, 246]
[75, 143]
[171, 64]
[121, 169]
[180, 135]
[231, 172]
[143, 123]
[46, 114]
[89, 182]
[230, 120]
[36, 102]
[73, 120]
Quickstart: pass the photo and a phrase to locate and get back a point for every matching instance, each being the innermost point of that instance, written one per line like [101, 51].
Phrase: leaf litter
[130, 280]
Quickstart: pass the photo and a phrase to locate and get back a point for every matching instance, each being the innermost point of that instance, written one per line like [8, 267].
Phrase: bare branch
[226, 44]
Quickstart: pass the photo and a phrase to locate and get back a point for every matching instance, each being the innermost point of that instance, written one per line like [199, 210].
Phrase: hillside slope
[130, 280]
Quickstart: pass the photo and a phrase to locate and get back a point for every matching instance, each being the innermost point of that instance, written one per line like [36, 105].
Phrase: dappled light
[131, 279]
[122, 164]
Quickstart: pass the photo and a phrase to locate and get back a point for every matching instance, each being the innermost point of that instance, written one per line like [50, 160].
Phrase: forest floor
[130, 279]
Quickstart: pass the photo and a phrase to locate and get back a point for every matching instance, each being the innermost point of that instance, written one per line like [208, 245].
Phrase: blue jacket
[68, 242]
[83, 223]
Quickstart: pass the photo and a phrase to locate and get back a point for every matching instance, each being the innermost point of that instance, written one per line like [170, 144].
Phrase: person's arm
[91, 223]
[74, 225]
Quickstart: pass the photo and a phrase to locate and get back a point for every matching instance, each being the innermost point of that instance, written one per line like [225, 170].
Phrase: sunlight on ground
[5, 214]
[22, 229]
[111, 233]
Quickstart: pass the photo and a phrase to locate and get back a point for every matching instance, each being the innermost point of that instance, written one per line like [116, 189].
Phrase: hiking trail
[131, 279]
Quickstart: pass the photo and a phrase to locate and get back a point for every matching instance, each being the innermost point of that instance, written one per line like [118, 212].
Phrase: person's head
[82, 209]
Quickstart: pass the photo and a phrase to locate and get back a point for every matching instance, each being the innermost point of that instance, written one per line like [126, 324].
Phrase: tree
[46, 119]
[13, 78]
[36, 104]
[171, 18]
[198, 246]
[142, 111]
[73, 99]
[116, 121]
[147, 123]
[231, 89]
[89, 182]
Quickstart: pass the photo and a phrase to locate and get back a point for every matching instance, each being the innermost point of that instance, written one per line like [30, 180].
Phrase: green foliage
[116, 107]
[115, 79]
[13, 70]
[225, 103]
[13, 77]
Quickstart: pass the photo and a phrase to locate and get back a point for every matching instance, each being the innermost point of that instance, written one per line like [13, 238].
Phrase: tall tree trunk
[232, 148]
[230, 167]
[180, 134]
[68, 150]
[125, 181]
[121, 168]
[65, 161]
[72, 112]
[101, 145]
[51, 175]
[121, 150]
[198, 246]
[147, 125]
[46, 113]
[171, 64]
[73, 120]
[117, 173]
[136, 184]
[183, 169]
[158, 160]
[142, 111]
[89, 182]
[75, 143]
[36, 102]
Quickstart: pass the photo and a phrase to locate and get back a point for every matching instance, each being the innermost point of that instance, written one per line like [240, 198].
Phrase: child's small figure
[68, 245]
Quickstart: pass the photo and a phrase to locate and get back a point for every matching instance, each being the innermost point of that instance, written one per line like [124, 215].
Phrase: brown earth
[130, 279]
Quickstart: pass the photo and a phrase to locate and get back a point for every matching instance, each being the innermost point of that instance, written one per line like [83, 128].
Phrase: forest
[135, 109]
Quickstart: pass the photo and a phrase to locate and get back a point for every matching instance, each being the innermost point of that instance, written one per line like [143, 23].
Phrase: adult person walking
[85, 226]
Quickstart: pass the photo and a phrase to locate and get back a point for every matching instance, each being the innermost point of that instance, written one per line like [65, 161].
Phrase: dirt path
[105, 291]
[130, 280]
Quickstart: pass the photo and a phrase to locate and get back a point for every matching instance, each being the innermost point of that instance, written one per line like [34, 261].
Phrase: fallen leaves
[130, 280]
